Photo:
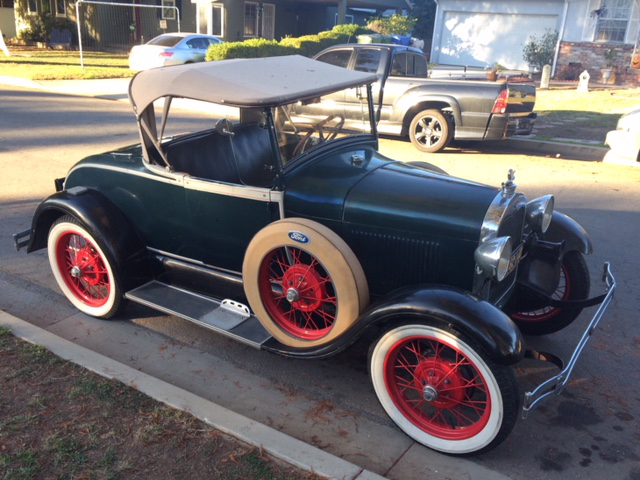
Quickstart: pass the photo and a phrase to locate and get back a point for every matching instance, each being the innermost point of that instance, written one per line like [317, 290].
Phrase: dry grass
[59, 421]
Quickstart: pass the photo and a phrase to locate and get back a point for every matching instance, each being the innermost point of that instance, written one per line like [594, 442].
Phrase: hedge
[307, 45]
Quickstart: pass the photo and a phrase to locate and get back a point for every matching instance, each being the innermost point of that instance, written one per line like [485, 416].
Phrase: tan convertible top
[255, 82]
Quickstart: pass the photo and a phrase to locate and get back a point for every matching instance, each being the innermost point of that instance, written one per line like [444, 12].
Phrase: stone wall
[580, 56]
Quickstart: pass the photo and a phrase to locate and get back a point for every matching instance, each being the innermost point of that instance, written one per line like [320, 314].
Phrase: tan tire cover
[347, 276]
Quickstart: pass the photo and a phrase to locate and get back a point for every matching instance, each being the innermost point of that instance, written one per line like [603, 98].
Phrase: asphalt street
[590, 431]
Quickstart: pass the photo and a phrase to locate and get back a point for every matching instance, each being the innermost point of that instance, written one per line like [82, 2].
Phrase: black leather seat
[244, 158]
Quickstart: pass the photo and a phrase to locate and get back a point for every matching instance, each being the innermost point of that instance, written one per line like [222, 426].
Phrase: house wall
[7, 23]
[580, 56]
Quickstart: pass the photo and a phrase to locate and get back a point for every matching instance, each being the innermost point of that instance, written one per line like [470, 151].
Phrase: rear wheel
[430, 131]
[573, 285]
[82, 270]
[443, 390]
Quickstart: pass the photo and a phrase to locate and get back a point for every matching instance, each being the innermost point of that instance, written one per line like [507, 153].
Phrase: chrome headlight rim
[540, 213]
[493, 257]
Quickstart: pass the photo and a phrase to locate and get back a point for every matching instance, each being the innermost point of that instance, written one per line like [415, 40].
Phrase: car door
[197, 48]
[408, 69]
[227, 209]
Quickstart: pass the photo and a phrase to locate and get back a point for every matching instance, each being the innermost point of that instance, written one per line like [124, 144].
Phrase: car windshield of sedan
[303, 126]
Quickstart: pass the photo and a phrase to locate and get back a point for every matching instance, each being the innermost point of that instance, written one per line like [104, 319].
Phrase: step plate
[204, 311]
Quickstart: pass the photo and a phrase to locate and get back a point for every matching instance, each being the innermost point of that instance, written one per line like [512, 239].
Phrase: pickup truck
[433, 111]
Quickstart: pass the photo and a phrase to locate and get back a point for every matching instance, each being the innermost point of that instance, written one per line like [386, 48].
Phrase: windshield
[303, 126]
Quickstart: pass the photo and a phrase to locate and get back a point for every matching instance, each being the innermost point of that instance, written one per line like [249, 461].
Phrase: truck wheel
[303, 282]
[430, 131]
[442, 390]
[82, 270]
[574, 285]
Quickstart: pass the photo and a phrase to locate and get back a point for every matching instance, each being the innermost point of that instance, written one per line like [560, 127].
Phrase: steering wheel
[321, 129]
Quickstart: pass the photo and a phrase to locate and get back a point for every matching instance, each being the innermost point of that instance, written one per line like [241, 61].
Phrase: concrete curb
[276, 443]
[560, 150]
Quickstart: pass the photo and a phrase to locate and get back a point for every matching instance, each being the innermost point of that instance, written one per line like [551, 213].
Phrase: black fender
[105, 222]
[413, 101]
[565, 229]
[438, 305]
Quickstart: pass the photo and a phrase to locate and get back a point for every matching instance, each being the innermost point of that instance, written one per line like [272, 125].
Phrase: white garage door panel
[479, 39]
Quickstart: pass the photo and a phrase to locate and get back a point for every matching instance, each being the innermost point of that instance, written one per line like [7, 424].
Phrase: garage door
[479, 39]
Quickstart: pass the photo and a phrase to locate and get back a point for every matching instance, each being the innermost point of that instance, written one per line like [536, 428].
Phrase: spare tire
[303, 282]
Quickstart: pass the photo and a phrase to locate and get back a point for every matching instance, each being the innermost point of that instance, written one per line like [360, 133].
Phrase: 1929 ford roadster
[288, 231]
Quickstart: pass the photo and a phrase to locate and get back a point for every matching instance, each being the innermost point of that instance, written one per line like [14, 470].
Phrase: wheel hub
[305, 289]
[440, 382]
[293, 295]
[75, 272]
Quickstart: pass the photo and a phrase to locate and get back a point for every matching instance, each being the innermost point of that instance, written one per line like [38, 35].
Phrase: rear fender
[480, 320]
[104, 221]
[412, 103]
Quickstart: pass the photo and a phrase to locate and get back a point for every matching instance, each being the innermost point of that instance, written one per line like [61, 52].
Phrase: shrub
[540, 52]
[393, 25]
[307, 45]
[570, 72]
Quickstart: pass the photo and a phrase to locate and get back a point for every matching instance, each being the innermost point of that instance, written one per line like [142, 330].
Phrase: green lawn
[586, 117]
[63, 65]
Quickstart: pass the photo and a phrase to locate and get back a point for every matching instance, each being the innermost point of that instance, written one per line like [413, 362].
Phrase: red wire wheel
[573, 285]
[81, 269]
[437, 388]
[298, 293]
[303, 282]
[442, 391]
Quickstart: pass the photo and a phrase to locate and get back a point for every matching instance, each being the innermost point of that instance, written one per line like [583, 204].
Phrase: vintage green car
[279, 224]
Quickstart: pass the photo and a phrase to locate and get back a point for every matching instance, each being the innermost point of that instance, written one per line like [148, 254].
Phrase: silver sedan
[171, 49]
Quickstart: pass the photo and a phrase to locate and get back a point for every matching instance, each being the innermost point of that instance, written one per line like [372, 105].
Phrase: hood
[413, 199]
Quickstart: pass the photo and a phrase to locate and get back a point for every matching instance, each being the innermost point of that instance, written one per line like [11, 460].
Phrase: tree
[540, 53]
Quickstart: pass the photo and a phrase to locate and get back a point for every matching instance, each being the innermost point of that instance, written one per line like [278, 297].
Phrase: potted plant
[493, 70]
[610, 56]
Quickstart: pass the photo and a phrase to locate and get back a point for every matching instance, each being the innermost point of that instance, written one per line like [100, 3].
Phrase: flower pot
[492, 76]
[635, 62]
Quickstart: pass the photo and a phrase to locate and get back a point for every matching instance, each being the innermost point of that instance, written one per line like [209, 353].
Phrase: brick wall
[590, 56]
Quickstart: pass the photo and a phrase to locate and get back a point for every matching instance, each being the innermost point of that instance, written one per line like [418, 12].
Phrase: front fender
[480, 320]
[104, 221]
[440, 305]
[565, 229]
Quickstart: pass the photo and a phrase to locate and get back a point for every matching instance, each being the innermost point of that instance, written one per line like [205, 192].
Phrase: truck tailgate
[522, 98]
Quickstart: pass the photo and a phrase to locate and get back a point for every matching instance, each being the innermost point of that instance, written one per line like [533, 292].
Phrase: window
[169, 13]
[6, 3]
[250, 19]
[348, 19]
[60, 8]
[339, 58]
[409, 65]
[217, 14]
[613, 21]
[368, 60]
[33, 6]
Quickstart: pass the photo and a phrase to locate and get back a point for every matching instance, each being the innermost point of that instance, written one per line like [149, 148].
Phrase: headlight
[493, 257]
[539, 213]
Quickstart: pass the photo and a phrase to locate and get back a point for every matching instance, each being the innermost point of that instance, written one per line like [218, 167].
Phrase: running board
[226, 317]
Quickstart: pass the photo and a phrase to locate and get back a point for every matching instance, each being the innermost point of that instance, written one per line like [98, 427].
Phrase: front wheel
[443, 390]
[82, 270]
[430, 131]
[573, 285]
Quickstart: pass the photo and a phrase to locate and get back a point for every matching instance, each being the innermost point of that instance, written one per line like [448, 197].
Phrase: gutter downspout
[436, 23]
[560, 37]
